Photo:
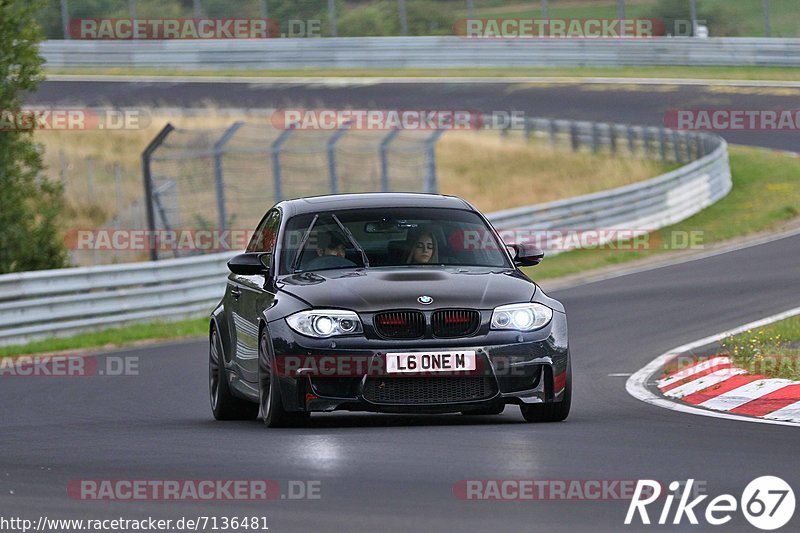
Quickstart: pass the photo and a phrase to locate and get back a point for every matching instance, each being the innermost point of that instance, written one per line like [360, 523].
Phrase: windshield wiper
[352, 240]
[303, 244]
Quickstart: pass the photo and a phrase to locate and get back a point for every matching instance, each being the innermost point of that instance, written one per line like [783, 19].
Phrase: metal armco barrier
[62, 302]
[421, 52]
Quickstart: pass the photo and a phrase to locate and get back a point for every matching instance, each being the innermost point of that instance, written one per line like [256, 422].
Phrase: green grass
[772, 351]
[112, 338]
[722, 73]
[766, 193]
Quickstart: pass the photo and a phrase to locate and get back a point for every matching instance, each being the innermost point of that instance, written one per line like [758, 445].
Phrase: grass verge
[113, 338]
[766, 194]
[678, 72]
[772, 351]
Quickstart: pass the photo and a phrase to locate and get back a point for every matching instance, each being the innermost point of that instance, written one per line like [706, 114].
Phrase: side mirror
[527, 255]
[250, 264]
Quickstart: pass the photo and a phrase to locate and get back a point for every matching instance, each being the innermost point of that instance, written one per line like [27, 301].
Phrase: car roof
[335, 202]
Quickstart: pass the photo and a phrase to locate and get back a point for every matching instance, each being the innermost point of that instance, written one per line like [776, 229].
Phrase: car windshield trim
[341, 225]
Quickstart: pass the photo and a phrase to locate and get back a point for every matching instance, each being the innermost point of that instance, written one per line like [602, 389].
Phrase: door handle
[236, 292]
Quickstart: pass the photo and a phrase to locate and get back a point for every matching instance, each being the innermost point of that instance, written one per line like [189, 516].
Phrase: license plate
[397, 363]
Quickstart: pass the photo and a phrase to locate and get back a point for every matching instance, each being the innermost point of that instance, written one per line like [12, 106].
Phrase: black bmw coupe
[385, 302]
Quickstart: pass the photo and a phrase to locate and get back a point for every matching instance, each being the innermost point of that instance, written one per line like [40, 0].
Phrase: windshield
[389, 237]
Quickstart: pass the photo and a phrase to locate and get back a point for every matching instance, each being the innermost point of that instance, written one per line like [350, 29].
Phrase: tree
[29, 207]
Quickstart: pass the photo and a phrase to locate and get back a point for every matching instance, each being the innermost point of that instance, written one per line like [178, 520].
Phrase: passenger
[422, 247]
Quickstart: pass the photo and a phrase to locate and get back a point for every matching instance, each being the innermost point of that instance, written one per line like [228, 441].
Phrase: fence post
[218, 175]
[65, 18]
[384, 148]
[646, 141]
[401, 11]
[148, 185]
[332, 17]
[676, 147]
[595, 137]
[574, 136]
[89, 178]
[612, 138]
[331, 147]
[430, 184]
[275, 150]
[662, 144]
[118, 188]
[553, 130]
[631, 140]
[263, 9]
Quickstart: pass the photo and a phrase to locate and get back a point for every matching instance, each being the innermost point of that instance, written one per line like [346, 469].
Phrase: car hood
[374, 289]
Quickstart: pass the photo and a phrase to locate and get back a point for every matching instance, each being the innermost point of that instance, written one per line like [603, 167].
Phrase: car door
[249, 295]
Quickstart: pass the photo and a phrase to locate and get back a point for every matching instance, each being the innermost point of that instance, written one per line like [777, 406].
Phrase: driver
[330, 253]
[330, 244]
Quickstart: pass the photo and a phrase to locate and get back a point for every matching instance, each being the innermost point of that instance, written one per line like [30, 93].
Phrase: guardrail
[66, 301]
[647, 205]
[421, 52]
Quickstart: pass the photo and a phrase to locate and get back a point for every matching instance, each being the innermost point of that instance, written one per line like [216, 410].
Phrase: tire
[224, 404]
[271, 407]
[551, 412]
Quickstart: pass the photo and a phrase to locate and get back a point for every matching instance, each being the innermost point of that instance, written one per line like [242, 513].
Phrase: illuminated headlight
[521, 317]
[323, 323]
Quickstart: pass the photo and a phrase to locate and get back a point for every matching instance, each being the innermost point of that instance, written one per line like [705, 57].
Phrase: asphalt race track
[396, 473]
[626, 103]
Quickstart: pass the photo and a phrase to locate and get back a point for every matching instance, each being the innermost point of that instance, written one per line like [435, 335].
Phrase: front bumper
[349, 373]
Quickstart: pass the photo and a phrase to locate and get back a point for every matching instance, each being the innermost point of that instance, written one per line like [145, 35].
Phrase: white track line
[374, 80]
[637, 384]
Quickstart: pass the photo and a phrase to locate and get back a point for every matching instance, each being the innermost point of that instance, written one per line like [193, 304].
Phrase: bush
[29, 206]
[671, 11]
[383, 18]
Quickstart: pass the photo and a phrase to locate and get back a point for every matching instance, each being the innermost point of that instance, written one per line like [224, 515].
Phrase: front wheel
[271, 403]
[224, 404]
[551, 412]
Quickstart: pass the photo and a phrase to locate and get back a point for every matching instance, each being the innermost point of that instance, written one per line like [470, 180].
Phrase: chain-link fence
[226, 179]
[223, 180]
[356, 18]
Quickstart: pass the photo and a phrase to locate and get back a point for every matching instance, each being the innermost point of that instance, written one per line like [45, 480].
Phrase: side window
[266, 234]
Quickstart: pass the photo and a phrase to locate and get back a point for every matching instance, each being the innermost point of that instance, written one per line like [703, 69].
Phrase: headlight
[521, 317]
[323, 323]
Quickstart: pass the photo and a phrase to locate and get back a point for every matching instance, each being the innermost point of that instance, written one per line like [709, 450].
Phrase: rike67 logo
[767, 503]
